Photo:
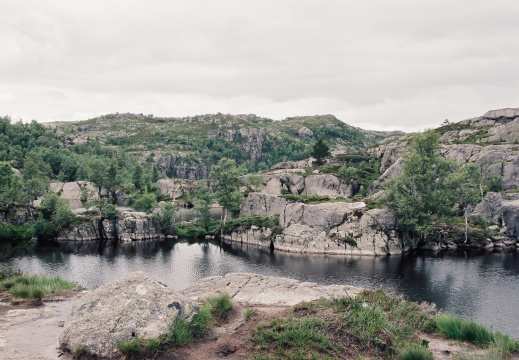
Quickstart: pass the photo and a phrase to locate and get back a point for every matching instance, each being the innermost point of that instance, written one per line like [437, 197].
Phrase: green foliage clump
[248, 313]
[292, 338]
[7, 272]
[35, 286]
[219, 304]
[166, 218]
[307, 199]
[320, 152]
[413, 351]
[465, 330]
[146, 202]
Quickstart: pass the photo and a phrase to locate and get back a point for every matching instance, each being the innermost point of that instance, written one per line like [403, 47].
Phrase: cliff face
[128, 227]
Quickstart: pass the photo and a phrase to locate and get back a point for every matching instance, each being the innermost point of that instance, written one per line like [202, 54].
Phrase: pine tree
[320, 152]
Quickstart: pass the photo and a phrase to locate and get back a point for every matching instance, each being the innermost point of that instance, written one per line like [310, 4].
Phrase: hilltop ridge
[186, 147]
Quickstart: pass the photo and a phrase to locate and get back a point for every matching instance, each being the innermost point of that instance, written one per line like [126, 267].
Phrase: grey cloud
[377, 64]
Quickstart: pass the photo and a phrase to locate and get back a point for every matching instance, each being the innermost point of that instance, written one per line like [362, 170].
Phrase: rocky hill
[492, 139]
[187, 147]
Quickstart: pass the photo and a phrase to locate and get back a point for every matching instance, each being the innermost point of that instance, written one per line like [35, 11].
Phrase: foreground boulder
[136, 304]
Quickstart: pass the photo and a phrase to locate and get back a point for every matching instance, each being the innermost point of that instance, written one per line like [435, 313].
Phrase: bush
[146, 202]
[110, 211]
[7, 272]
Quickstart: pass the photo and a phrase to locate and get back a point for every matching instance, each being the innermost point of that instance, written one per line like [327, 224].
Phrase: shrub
[7, 272]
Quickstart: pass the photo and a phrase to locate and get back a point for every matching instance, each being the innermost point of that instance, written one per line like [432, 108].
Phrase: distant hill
[187, 147]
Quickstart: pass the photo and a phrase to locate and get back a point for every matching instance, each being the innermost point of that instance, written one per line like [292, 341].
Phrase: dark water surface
[484, 287]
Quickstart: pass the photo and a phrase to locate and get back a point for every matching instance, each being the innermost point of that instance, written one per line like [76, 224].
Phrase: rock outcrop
[500, 209]
[72, 191]
[176, 189]
[278, 182]
[255, 290]
[329, 228]
[129, 226]
[491, 139]
[137, 304]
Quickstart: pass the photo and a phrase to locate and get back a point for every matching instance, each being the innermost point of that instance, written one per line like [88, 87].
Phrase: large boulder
[136, 304]
[502, 209]
[263, 205]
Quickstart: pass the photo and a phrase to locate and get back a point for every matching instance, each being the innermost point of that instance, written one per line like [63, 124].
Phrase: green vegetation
[429, 186]
[35, 286]
[226, 174]
[375, 323]
[182, 333]
[320, 152]
[248, 313]
[413, 351]
[308, 199]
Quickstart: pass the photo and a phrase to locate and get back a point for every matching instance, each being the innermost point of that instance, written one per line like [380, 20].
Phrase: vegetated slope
[491, 139]
[187, 147]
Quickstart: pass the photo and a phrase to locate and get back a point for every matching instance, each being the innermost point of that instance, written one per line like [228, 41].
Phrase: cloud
[376, 64]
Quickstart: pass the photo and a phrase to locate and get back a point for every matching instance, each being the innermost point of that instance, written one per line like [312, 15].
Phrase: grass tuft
[220, 305]
[35, 286]
[453, 327]
[248, 313]
[413, 351]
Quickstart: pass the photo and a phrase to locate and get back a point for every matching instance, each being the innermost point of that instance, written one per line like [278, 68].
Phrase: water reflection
[483, 287]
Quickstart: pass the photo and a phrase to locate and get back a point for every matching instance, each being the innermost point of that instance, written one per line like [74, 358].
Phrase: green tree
[465, 185]
[204, 198]
[97, 172]
[347, 173]
[10, 186]
[137, 176]
[166, 217]
[320, 152]
[226, 174]
[146, 202]
[56, 210]
[420, 195]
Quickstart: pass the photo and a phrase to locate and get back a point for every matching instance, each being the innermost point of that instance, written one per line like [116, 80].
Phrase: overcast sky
[376, 64]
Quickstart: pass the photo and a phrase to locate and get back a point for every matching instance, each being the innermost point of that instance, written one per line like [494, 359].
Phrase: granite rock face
[263, 204]
[491, 139]
[136, 304]
[176, 189]
[72, 191]
[501, 209]
[278, 182]
[254, 289]
[129, 226]
[339, 228]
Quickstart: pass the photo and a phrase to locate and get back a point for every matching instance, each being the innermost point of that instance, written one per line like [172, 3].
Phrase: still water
[484, 287]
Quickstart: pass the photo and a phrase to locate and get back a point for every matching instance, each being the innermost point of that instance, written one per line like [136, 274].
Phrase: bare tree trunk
[222, 219]
[466, 226]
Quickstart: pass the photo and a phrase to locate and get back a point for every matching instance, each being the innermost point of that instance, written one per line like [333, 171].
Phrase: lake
[484, 286]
